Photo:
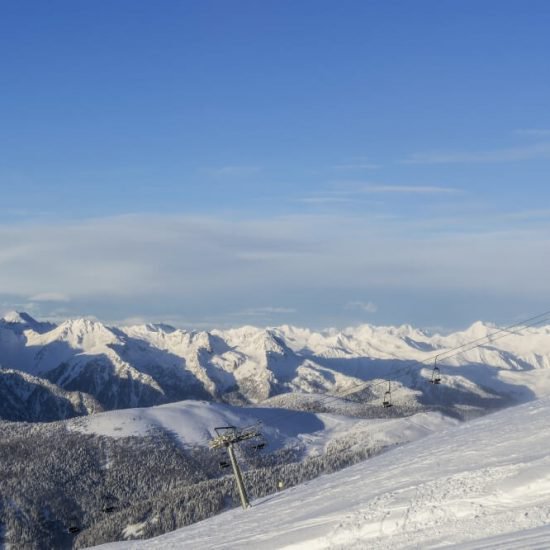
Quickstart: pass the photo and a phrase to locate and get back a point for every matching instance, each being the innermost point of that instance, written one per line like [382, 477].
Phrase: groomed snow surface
[481, 484]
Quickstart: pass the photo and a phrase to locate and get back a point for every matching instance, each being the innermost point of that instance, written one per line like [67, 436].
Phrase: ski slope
[481, 484]
[193, 422]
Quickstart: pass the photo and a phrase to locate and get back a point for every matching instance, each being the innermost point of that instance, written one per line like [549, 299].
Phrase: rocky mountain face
[80, 366]
[29, 398]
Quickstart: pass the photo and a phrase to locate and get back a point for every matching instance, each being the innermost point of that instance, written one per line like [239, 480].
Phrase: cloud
[534, 132]
[201, 267]
[412, 189]
[357, 166]
[357, 163]
[368, 307]
[535, 151]
[324, 199]
[528, 215]
[49, 297]
[233, 170]
[266, 311]
[352, 191]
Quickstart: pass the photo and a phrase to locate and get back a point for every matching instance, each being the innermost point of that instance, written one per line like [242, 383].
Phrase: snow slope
[193, 422]
[481, 484]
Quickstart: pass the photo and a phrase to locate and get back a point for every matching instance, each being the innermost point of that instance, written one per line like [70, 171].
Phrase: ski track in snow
[483, 484]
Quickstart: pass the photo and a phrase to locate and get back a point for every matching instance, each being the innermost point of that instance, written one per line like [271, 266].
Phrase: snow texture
[481, 484]
[193, 422]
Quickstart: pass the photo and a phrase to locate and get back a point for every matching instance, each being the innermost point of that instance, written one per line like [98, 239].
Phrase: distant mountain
[29, 398]
[18, 322]
[122, 367]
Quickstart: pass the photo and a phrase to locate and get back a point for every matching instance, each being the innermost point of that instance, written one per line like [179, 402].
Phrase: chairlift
[387, 397]
[223, 459]
[109, 507]
[109, 504]
[74, 526]
[259, 444]
[436, 374]
[224, 464]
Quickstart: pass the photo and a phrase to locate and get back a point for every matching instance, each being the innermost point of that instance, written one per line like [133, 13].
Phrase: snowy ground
[482, 484]
[193, 422]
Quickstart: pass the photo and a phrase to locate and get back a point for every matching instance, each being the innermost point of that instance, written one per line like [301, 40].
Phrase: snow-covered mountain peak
[203, 340]
[85, 334]
[18, 317]
[160, 327]
[479, 329]
[249, 337]
[273, 343]
[21, 321]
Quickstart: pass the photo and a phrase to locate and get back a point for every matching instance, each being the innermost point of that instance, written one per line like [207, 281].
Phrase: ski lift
[259, 444]
[223, 460]
[436, 374]
[387, 397]
[74, 526]
[109, 504]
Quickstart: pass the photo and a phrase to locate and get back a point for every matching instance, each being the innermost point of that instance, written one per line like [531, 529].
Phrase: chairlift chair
[109, 504]
[223, 460]
[436, 374]
[259, 444]
[387, 397]
[74, 526]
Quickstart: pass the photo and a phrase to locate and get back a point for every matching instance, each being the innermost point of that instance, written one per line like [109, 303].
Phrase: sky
[317, 163]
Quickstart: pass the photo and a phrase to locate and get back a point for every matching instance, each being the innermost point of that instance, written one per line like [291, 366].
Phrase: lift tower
[227, 437]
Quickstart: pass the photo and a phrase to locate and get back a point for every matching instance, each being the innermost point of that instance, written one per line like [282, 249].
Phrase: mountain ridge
[154, 364]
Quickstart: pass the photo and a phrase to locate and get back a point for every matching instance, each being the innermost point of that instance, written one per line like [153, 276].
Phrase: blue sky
[213, 163]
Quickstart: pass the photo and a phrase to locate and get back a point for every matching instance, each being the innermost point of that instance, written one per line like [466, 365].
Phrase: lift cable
[448, 354]
[478, 342]
[228, 436]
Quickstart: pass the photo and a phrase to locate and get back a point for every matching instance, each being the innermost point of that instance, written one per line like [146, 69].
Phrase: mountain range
[54, 371]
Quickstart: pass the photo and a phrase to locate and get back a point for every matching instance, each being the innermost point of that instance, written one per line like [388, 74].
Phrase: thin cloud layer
[530, 152]
[534, 132]
[49, 297]
[233, 170]
[177, 261]
[367, 307]
[409, 189]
